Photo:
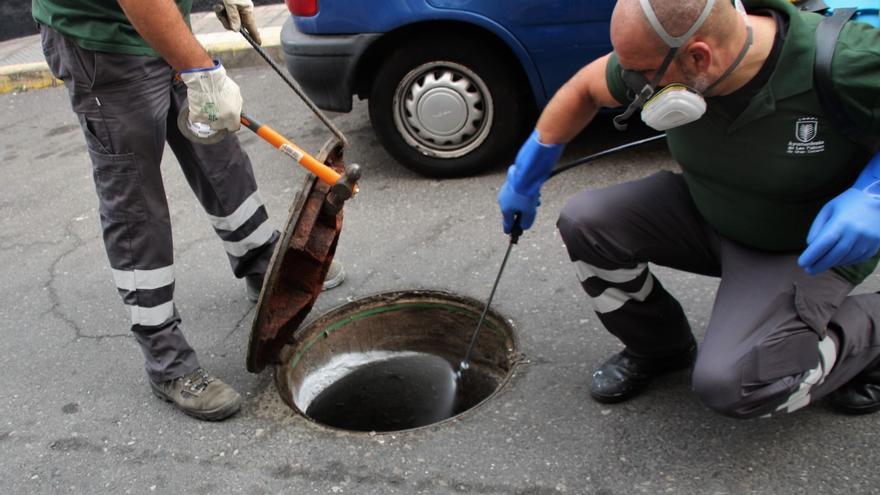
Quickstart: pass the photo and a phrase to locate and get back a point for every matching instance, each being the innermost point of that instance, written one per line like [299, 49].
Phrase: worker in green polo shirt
[772, 199]
[130, 68]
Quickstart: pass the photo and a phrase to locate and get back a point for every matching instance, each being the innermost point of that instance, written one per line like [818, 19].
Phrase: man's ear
[699, 56]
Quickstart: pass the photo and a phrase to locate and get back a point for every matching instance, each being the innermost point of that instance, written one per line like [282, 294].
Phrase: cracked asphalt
[77, 416]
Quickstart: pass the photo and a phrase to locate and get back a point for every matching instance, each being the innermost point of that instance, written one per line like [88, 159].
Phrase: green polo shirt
[761, 177]
[98, 25]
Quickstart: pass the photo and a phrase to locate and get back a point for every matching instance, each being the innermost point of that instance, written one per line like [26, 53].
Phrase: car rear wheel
[448, 107]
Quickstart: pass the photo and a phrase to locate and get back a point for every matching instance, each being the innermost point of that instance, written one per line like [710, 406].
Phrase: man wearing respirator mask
[130, 67]
[772, 199]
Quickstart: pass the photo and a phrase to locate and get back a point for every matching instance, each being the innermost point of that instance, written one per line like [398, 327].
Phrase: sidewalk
[23, 68]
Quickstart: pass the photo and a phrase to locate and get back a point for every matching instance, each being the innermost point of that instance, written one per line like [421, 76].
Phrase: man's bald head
[630, 27]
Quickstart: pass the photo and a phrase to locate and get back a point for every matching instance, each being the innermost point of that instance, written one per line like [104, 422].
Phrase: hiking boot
[625, 375]
[200, 395]
[254, 283]
[861, 395]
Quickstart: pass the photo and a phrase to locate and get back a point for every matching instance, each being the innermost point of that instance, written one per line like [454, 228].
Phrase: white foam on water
[339, 366]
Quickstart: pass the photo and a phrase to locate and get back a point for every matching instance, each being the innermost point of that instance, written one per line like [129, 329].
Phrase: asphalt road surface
[77, 416]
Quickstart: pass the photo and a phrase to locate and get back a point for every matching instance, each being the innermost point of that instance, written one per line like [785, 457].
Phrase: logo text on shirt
[805, 131]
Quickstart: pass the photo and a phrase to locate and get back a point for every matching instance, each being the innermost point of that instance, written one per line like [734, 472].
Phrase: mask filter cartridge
[673, 106]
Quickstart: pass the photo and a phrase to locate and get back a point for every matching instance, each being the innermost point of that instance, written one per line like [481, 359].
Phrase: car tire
[449, 107]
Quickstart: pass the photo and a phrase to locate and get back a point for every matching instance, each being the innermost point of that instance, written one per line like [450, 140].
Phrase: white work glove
[214, 98]
[240, 13]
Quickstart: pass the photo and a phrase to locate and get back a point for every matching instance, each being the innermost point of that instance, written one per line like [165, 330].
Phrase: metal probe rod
[515, 232]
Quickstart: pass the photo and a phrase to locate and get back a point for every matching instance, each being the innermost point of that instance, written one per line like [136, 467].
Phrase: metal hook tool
[220, 11]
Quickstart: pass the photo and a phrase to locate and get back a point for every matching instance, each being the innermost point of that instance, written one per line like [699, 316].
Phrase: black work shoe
[200, 395]
[624, 375]
[861, 395]
[253, 284]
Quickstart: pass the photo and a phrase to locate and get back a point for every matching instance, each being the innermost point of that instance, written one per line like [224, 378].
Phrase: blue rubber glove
[521, 192]
[847, 229]
[512, 202]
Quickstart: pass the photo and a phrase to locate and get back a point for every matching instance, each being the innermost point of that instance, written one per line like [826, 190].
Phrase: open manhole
[388, 362]
[382, 363]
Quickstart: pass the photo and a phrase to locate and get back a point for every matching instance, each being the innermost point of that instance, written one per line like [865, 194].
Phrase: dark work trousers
[127, 107]
[778, 338]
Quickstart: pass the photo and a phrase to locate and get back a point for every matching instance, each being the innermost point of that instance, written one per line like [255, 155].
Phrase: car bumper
[324, 65]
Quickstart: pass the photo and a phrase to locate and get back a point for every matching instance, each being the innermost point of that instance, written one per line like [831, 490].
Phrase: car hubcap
[443, 109]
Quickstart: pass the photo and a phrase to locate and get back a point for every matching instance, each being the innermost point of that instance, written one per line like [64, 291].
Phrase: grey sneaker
[335, 275]
[254, 283]
[200, 395]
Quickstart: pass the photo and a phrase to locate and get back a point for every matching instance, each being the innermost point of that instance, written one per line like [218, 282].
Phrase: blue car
[453, 85]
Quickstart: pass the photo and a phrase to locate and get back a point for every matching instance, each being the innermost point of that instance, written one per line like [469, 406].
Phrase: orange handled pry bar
[323, 172]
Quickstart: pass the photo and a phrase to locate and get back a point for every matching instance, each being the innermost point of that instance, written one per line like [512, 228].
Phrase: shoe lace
[197, 381]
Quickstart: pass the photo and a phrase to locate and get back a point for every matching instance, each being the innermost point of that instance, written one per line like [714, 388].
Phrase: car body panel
[560, 37]
[551, 40]
[325, 65]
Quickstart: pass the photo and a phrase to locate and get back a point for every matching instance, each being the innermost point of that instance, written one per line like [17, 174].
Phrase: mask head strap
[642, 88]
[742, 53]
[638, 83]
[675, 41]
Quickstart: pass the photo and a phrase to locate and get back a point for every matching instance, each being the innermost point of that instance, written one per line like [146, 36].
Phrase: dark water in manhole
[398, 393]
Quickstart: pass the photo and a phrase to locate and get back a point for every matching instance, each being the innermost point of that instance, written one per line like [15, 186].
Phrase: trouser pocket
[118, 184]
[66, 60]
[781, 356]
[816, 301]
[792, 345]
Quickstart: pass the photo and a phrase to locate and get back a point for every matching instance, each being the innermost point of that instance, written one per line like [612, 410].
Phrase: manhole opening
[387, 362]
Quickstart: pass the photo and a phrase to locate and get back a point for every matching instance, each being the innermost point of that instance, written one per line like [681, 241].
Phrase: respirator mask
[677, 104]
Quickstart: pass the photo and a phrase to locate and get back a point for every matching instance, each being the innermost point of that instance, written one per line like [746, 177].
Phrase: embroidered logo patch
[806, 130]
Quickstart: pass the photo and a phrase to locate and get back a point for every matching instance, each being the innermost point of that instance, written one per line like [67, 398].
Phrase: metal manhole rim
[516, 358]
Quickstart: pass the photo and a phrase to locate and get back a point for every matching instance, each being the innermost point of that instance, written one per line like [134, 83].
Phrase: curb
[230, 48]
[239, 54]
[24, 77]
[234, 51]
